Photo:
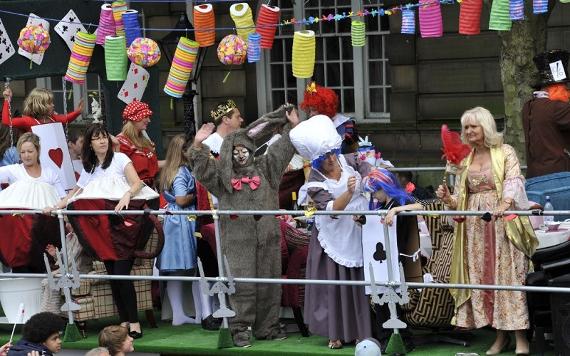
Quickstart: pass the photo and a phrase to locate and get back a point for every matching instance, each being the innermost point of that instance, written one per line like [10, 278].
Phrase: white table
[552, 238]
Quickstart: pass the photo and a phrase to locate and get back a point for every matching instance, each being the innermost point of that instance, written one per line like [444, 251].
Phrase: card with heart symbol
[135, 85]
[68, 27]
[374, 251]
[34, 19]
[54, 153]
[6, 47]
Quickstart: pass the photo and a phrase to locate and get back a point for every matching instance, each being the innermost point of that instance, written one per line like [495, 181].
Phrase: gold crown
[222, 109]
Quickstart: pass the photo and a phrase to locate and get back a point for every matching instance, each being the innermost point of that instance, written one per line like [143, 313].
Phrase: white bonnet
[314, 137]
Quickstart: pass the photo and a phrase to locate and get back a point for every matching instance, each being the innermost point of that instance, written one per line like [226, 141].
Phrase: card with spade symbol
[54, 153]
[135, 85]
[374, 251]
[6, 47]
[68, 27]
[34, 19]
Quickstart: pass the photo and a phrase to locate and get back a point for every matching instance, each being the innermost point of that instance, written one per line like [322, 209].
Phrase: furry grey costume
[251, 243]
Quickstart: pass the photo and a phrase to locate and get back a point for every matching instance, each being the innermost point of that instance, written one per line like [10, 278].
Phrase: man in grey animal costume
[251, 243]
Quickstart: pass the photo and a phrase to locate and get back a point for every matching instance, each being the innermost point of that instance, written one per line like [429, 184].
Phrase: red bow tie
[253, 182]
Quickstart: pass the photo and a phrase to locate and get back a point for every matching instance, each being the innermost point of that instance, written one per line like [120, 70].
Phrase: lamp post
[168, 44]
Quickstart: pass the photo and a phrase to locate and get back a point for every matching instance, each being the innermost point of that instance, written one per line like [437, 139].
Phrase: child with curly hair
[41, 333]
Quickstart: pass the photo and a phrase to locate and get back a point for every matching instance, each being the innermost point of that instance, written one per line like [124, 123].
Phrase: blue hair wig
[382, 179]
[317, 162]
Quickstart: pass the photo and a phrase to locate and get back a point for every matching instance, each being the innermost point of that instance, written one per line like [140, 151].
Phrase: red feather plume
[453, 149]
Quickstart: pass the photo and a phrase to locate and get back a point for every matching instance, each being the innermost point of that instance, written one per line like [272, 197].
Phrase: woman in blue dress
[178, 256]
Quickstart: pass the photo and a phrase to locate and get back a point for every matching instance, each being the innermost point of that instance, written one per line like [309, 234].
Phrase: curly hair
[112, 337]
[323, 100]
[41, 326]
[37, 103]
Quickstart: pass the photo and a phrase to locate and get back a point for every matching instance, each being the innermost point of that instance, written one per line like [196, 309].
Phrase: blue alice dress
[179, 253]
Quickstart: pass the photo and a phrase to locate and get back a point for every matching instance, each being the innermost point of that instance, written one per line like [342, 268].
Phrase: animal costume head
[237, 142]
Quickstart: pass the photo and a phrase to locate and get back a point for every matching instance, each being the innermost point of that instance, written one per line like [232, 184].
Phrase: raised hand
[351, 184]
[205, 131]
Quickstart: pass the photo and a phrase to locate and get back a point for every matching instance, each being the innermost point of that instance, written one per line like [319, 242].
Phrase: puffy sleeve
[321, 197]
[513, 185]
[183, 183]
[205, 168]
[6, 174]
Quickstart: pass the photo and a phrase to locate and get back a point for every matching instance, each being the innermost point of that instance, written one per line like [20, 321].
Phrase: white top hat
[314, 137]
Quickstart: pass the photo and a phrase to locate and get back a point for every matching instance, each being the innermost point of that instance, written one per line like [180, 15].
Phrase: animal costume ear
[265, 126]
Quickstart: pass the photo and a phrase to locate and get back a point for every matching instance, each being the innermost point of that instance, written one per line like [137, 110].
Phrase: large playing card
[68, 27]
[135, 85]
[55, 153]
[6, 47]
[34, 19]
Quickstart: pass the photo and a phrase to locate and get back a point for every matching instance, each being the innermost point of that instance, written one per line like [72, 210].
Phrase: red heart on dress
[56, 156]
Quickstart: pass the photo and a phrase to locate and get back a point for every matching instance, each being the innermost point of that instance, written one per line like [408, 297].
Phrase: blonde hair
[112, 338]
[37, 103]
[174, 159]
[33, 139]
[482, 117]
[137, 138]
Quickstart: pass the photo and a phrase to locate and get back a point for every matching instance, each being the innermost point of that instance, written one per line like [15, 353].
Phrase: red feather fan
[453, 149]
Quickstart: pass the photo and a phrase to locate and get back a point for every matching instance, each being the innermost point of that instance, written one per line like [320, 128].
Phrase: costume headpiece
[454, 150]
[321, 99]
[136, 111]
[222, 109]
[381, 178]
[552, 68]
[314, 147]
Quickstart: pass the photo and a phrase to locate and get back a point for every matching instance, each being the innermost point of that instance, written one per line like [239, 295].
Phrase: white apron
[340, 236]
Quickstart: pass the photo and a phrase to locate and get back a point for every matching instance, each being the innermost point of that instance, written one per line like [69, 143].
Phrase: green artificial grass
[193, 340]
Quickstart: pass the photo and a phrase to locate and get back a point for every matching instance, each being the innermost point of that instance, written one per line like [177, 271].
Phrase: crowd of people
[228, 167]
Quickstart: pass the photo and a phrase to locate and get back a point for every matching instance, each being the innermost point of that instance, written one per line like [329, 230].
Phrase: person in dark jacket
[41, 333]
[546, 117]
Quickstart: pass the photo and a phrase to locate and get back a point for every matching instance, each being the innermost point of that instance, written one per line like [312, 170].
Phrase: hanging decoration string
[64, 87]
[6, 86]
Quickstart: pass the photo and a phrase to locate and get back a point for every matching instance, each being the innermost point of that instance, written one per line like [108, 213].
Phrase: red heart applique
[56, 156]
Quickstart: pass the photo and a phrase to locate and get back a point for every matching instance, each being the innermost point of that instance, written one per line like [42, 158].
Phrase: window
[359, 75]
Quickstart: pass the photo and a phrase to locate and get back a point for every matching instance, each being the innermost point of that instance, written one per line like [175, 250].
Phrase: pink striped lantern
[431, 23]
[106, 24]
[470, 17]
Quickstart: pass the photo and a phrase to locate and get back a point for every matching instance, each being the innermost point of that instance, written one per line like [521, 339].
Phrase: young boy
[41, 333]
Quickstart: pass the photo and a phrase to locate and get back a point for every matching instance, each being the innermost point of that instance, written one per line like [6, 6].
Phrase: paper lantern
[116, 58]
[144, 52]
[34, 39]
[132, 25]
[304, 49]
[243, 19]
[182, 65]
[408, 22]
[106, 24]
[500, 18]
[254, 47]
[358, 33]
[267, 21]
[431, 23]
[470, 17]
[80, 57]
[205, 25]
[541, 6]
[232, 50]
[119, 7]
[516, 9]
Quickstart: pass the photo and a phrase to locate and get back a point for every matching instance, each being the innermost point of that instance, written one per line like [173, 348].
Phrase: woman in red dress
[38, 110]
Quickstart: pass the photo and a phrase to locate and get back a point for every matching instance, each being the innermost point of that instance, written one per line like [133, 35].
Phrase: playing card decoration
[106, 24]
[80, 57]
[144, 52]
[6, 48]
[133, 88]
[34, 39]
[116, 58]
[54, 153]
[454, 150]
[68, 27]
[182, 65]
[36, 57]
[232, 50]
